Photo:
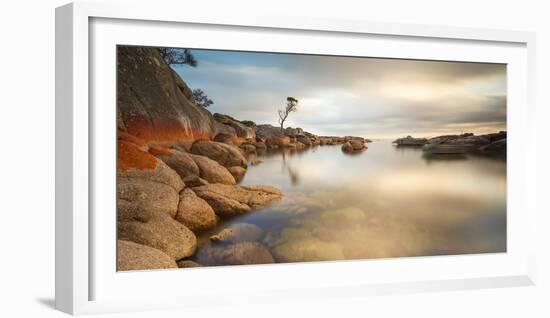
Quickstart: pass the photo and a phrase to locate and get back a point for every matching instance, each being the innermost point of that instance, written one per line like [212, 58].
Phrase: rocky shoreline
[178, 169]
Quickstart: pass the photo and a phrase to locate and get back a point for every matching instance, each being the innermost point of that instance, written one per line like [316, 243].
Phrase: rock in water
[233, 199]
[157, 230]
[153, 102]
[293, 246]
[187, 264]
[237, 172]
[235, 254]
[133, 256]
[239, 232]
[194, 212]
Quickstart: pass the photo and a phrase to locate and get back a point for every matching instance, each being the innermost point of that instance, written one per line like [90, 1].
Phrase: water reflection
[385, 202]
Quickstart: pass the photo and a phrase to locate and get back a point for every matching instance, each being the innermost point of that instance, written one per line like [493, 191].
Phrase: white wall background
[27, 158]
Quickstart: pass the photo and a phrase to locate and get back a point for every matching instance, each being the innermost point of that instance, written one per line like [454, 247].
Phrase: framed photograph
[204, 161]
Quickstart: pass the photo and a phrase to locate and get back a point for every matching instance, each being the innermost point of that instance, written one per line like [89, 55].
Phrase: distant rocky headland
[178, 167]
[487, 144]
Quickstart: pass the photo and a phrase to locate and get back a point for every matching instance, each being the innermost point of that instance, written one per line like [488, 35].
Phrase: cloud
[354, 96]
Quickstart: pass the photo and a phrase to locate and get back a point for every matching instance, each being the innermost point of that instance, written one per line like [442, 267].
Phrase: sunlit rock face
[154, 103]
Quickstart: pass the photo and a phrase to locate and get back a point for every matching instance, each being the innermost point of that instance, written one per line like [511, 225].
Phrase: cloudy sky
[369, 97]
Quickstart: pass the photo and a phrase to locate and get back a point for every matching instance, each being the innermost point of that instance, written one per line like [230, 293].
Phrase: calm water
[385, 202]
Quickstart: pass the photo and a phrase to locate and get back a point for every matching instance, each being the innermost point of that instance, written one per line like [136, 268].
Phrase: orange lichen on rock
[159, 151]
[129, 156]
[122, 135]
[165, 131]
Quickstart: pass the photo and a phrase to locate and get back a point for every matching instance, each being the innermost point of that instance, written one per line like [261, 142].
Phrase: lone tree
[291, 106]
[174, 56]
[201, 99]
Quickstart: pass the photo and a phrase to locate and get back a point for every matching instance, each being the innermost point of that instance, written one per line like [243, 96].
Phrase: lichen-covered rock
[226, 155]
[140, 194]
[133, 256]
[180, 162]
[238, 232]
[157, 230]
[133, 162]
[153, 102]
[212, 171]
[194, 212]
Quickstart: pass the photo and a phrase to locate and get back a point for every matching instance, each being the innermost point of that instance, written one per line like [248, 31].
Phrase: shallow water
[387, 201]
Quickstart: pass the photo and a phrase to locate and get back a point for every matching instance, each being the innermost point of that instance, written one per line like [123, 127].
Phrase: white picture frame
[85, 33]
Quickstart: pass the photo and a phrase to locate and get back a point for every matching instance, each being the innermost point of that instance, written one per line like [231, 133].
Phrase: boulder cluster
[166, 195]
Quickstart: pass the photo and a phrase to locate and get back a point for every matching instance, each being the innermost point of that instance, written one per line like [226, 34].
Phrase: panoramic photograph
[240, 158]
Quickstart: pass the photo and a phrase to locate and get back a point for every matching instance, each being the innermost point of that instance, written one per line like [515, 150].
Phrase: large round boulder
[157, 230]
[226, 155]
[212, 171]
[132, 256]
[180, 162]
[194, 212]
[139, 194]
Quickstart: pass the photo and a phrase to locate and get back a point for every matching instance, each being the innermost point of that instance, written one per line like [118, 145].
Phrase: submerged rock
[243, 253]
[133, 256]
[187, 264]
[300, 245]
[239, 232]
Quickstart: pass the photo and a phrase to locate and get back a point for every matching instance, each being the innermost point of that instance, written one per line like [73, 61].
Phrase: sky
[368, 97]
